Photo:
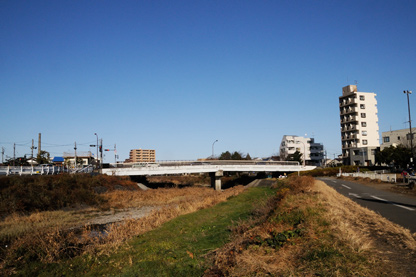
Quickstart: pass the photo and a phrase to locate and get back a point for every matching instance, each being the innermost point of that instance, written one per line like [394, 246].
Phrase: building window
[362, 106]
[364, 133]
[373, 152]
[362, 97]
[386, 139]
[356, 152]
[362, 115]
[398, 138]
[365, 142]
[363, 124]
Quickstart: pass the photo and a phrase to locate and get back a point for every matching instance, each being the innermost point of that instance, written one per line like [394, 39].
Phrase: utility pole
[75, 148]
[39, 144]
[2, 155]
[101, 150]
[14, 154]
[115, 154]
[33, 147]
[410, 125]
[98, 166]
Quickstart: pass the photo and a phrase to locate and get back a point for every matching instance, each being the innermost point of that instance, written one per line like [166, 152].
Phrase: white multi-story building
[312, 152]
[359, 126]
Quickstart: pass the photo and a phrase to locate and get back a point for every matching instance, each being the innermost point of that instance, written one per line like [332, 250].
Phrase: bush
[25, 194]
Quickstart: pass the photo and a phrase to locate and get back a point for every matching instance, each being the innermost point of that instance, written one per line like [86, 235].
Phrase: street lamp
[213, 149]
[304, 152]
[97, 151]
[410, 124]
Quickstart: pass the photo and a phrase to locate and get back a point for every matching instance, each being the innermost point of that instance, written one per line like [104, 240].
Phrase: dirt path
[117, 216]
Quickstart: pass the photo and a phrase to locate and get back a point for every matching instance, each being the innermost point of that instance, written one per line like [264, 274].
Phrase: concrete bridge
[215, 168]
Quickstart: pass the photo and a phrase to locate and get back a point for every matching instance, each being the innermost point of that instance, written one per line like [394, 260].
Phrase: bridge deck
[171, 168]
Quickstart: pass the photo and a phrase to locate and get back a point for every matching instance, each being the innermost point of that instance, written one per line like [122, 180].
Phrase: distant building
[58, 161]
[142, 155]
[83, 158]
[312, 152]
[317, 152]
[359, 126]
[397, 137]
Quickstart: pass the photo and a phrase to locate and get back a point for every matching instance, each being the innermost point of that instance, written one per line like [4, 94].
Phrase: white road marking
[333, 181]
[346, 186]
[355, 195]
[397, 205]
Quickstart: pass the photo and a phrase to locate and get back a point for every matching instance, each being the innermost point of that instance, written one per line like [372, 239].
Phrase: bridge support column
[216, 179]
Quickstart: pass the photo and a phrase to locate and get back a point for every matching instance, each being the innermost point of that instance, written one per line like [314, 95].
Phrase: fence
[385, 177]
[42, 170]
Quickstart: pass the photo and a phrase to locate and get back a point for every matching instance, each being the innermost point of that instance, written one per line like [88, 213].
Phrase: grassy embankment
[291, 229]
[38, 215]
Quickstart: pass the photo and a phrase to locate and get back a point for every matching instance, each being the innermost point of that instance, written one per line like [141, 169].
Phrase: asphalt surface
[395, 207]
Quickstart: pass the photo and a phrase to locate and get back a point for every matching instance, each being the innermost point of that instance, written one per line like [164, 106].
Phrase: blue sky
[175, 76]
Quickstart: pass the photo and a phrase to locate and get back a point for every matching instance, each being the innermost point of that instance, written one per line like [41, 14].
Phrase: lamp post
[213, 149]
[304, 152]
[410, 124]
[97, 150]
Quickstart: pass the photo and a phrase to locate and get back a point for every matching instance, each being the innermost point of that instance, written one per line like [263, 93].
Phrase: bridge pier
[216, 179]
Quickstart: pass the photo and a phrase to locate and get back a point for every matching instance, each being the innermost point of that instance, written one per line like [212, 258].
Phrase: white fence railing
[385, 177]
[41, 170]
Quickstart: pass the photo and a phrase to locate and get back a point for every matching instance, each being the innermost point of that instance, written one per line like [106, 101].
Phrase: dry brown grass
[48, 241]
[17, 225]
[356, 240]
[367, 230]
[185, 180]
[177, 202]
[158, 197]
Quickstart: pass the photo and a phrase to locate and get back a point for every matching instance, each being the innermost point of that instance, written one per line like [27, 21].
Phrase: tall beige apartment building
[359, 126]
[142, 155]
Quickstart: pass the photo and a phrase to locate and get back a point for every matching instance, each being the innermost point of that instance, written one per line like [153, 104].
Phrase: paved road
[395, 207]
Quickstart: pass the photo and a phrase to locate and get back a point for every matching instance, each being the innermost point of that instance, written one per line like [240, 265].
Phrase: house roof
[58, 159]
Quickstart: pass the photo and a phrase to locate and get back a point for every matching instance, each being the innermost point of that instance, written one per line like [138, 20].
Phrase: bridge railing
[205, 162]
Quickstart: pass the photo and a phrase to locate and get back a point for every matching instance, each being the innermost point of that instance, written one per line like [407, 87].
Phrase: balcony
[349, 110]
[347, 102]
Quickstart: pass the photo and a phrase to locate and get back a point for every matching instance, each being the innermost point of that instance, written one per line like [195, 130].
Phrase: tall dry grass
[323, 233]
[175, 202]
[51, 243]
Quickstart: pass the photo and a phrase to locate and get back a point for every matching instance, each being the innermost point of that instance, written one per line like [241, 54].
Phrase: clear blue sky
[175, 76]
